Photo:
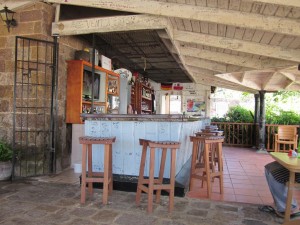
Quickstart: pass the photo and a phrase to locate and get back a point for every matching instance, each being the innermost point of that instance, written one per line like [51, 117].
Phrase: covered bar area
[129, 128]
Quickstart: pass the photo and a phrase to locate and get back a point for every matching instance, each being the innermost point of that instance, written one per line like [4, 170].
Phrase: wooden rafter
[139, 22]
[191, 12]
[243, 61]
[206, 80]
[238, 45]
[108, 24]
[242, 77]
[267, 81]
[209, 65]
[291, 3]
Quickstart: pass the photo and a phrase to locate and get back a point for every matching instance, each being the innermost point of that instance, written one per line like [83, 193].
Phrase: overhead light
[8, 17]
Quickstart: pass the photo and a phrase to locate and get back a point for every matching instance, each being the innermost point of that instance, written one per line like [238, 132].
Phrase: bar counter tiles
[128, 129]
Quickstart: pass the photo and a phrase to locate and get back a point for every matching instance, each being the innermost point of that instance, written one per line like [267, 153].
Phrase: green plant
[6, 152]
[236, 114]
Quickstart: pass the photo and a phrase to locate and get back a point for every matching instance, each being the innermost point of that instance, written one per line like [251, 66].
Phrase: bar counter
[140, 117]
[128, 129]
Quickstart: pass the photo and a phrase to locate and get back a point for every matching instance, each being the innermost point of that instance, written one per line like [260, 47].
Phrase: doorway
[171, 104]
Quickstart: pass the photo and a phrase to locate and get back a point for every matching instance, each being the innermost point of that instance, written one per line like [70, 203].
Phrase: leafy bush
[236, 114]
[283, 118]
[6, 152]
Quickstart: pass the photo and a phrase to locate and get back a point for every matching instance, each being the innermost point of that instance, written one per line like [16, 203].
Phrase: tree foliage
[274, 115]
[236, 114]
[281, 108]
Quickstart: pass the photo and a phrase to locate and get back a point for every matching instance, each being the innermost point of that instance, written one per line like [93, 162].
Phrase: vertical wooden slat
[245, 138]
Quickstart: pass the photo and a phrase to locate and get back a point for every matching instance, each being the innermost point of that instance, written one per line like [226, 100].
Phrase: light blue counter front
[126, 149]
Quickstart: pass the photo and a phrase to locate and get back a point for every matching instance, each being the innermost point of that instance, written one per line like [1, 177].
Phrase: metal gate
[35, 107]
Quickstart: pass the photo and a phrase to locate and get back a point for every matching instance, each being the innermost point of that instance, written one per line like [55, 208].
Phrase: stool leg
[90, 168]
[213, 151]
[193, 164]
[151, 180]
[105, 178]
[207, 169]
[220, 166]
[83, 174]
[172, 179]
[110, 186]
[141, 175]
[161, 172]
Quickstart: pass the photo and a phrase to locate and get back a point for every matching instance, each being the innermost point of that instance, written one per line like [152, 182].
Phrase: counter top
[141, 117]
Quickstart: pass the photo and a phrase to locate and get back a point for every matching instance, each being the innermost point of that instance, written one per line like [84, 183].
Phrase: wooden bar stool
[210, 171]
[148, 185]
[212, 153]
[104, 177]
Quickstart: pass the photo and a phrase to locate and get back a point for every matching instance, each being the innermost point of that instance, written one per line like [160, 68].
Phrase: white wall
[193, 91]
[127, 150]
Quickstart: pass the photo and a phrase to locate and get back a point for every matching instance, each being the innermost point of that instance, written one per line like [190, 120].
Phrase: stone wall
[34, 21]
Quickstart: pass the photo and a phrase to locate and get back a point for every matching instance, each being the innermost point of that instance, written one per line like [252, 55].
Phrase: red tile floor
[244, 179]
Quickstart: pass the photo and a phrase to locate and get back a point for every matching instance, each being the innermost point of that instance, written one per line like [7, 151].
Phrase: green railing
[246, 134]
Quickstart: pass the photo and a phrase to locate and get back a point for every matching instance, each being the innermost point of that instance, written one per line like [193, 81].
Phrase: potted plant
[6, 155]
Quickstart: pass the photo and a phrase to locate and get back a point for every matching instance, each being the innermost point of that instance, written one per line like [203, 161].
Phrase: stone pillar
[256, 119]
[262, 122]
[256, 112]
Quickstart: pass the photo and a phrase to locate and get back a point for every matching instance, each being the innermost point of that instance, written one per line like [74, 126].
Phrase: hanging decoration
[166, 86]
[177, 87]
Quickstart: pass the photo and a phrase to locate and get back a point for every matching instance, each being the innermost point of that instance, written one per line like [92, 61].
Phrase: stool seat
[210, 132]
[104, 177]
[164, 144]
[96, 140]
[151, 184]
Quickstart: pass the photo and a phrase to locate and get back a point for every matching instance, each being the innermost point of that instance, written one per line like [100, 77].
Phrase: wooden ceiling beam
[218, 82]
[242, 77]
[291, 3]
[199, 70]
[267, 81]
[243, 61]
[237, 45]
[139, 22]
[192, 12]
[209, 65]
[108, 24]
[289, 84]
[289, 76]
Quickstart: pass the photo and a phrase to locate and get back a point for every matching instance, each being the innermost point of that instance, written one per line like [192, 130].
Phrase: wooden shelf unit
[76, 102]
[113, 84]
[141, 98]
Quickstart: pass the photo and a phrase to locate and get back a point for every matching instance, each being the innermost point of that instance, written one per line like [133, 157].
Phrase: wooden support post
[262, 122]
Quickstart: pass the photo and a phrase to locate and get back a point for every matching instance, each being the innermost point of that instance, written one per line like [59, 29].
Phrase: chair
[286, 135]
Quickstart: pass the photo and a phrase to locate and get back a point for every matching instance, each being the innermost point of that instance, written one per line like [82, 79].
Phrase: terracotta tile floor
[244, 179]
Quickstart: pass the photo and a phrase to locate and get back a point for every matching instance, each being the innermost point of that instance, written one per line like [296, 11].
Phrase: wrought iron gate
[34, 107]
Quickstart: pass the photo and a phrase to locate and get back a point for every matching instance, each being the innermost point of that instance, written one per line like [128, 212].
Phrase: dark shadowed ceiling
[139, 51]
